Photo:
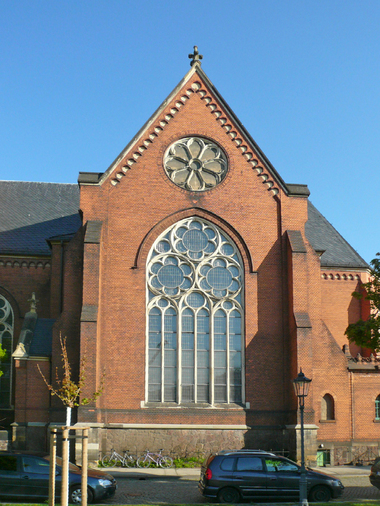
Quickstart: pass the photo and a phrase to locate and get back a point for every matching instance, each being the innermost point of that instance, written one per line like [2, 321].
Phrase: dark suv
[233, 475]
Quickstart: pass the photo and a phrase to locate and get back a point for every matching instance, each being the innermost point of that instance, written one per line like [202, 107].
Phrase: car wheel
[320, 494]
[75, 496]
[229, 495]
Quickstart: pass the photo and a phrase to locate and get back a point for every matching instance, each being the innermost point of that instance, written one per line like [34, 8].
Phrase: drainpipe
[61, 280]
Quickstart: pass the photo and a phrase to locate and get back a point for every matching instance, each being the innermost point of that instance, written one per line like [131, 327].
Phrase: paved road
[171, 487]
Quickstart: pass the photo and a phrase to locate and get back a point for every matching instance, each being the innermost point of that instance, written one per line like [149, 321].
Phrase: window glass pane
[220, 359]
[155, 357]
[188, 375]
[220, 342]
[170, 341]
[187, 358]
[188, 341]
[154, 374]
[235, 359]
[220, 393]
[154, 340]
[203, 376]
[235, 342]
[8, 463]
[227, 464]
[220, 377]
[170, 375]
[154, 393]
[188, 393]
[203, 342]
[169, 393]
[170, 358]
[377, 408]
[33, 465]
[249, 464]
[235, 393]
[235, 376]
[203, 359]
[202, 393]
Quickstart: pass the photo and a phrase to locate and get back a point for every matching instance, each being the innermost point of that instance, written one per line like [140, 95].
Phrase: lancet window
[195, 351]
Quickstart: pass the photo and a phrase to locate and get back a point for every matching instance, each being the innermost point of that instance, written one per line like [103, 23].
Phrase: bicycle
[154, 458]
[115, 458]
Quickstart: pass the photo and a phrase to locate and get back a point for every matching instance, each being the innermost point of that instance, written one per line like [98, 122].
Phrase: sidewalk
[194, 473]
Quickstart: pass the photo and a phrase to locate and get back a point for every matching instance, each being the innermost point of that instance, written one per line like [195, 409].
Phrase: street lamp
[301, 387]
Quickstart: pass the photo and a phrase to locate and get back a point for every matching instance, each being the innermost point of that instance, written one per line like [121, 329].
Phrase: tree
[67, 389]
[3, 356]
[366, 333]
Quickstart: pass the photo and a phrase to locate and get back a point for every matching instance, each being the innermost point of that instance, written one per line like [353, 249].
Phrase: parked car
[230, 476]
[25, 475]
[374, 477]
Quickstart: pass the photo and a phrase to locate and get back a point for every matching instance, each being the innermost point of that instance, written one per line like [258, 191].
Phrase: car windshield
[72, 467]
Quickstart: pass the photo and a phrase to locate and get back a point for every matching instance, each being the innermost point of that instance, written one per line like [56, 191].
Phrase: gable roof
[324, 238]
[166, 111]
[31, 213]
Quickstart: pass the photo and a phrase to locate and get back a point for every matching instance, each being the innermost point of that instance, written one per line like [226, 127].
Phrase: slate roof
[323, 237]
[31, 213]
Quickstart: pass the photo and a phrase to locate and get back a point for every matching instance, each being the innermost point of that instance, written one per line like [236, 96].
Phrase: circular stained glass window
[195, 164]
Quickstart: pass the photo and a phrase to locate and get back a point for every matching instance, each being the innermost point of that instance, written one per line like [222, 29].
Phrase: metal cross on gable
[195, 57]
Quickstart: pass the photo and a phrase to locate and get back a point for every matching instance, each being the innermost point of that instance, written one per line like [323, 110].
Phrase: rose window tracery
[195, 164]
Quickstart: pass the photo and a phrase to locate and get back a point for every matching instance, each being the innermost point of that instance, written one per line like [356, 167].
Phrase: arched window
[6, 340]
[377, 408]
[327, 407]
[195, 316]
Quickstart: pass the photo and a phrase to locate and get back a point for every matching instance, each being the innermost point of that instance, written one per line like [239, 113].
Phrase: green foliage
[3, 356]
[68, 390]
[188, 462]
[366, 333]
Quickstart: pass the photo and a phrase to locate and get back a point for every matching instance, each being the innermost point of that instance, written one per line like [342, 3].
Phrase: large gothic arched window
[195, 316]
[6, 340]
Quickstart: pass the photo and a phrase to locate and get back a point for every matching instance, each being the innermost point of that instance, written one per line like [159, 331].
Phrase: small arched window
[327, 407]
[377, 408]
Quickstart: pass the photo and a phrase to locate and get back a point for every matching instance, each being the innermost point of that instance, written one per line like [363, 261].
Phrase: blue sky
[79, 79]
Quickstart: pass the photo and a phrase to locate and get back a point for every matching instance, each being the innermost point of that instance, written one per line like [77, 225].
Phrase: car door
[250, 476]
[35, 473]
[10, 482]
[283, 477]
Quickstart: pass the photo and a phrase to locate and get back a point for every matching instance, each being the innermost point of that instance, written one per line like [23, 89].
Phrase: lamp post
[301, 387]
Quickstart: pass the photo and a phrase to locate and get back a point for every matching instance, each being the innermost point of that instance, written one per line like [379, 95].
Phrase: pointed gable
[195, 85]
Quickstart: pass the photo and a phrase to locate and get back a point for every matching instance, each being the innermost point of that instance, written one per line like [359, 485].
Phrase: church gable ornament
[195, 164]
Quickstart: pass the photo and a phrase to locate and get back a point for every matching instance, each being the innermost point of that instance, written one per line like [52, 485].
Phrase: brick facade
[295, 310]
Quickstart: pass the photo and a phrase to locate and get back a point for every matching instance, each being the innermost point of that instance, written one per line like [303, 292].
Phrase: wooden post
[65, 467]
[84, 466]
[52, 471]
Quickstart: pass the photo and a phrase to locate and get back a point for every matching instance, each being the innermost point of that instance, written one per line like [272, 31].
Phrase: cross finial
[195, 57]
[33, 303]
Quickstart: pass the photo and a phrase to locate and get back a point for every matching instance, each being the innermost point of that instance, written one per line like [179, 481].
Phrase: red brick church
[200, 282]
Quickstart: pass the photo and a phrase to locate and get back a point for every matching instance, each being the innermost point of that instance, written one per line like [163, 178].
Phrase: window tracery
[6, 340]
[195, 314]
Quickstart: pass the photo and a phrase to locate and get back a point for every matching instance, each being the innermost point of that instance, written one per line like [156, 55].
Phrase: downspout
[352, 406]
[61, 280]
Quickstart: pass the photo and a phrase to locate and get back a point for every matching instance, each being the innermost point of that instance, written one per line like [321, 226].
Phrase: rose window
[195, 164]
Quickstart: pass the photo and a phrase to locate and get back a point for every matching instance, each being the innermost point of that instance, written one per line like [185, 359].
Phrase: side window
[327, 407]
[227, 464]
[33, 465]
[249, 464]
[377, 408]
[8, 463]
[275, 465]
